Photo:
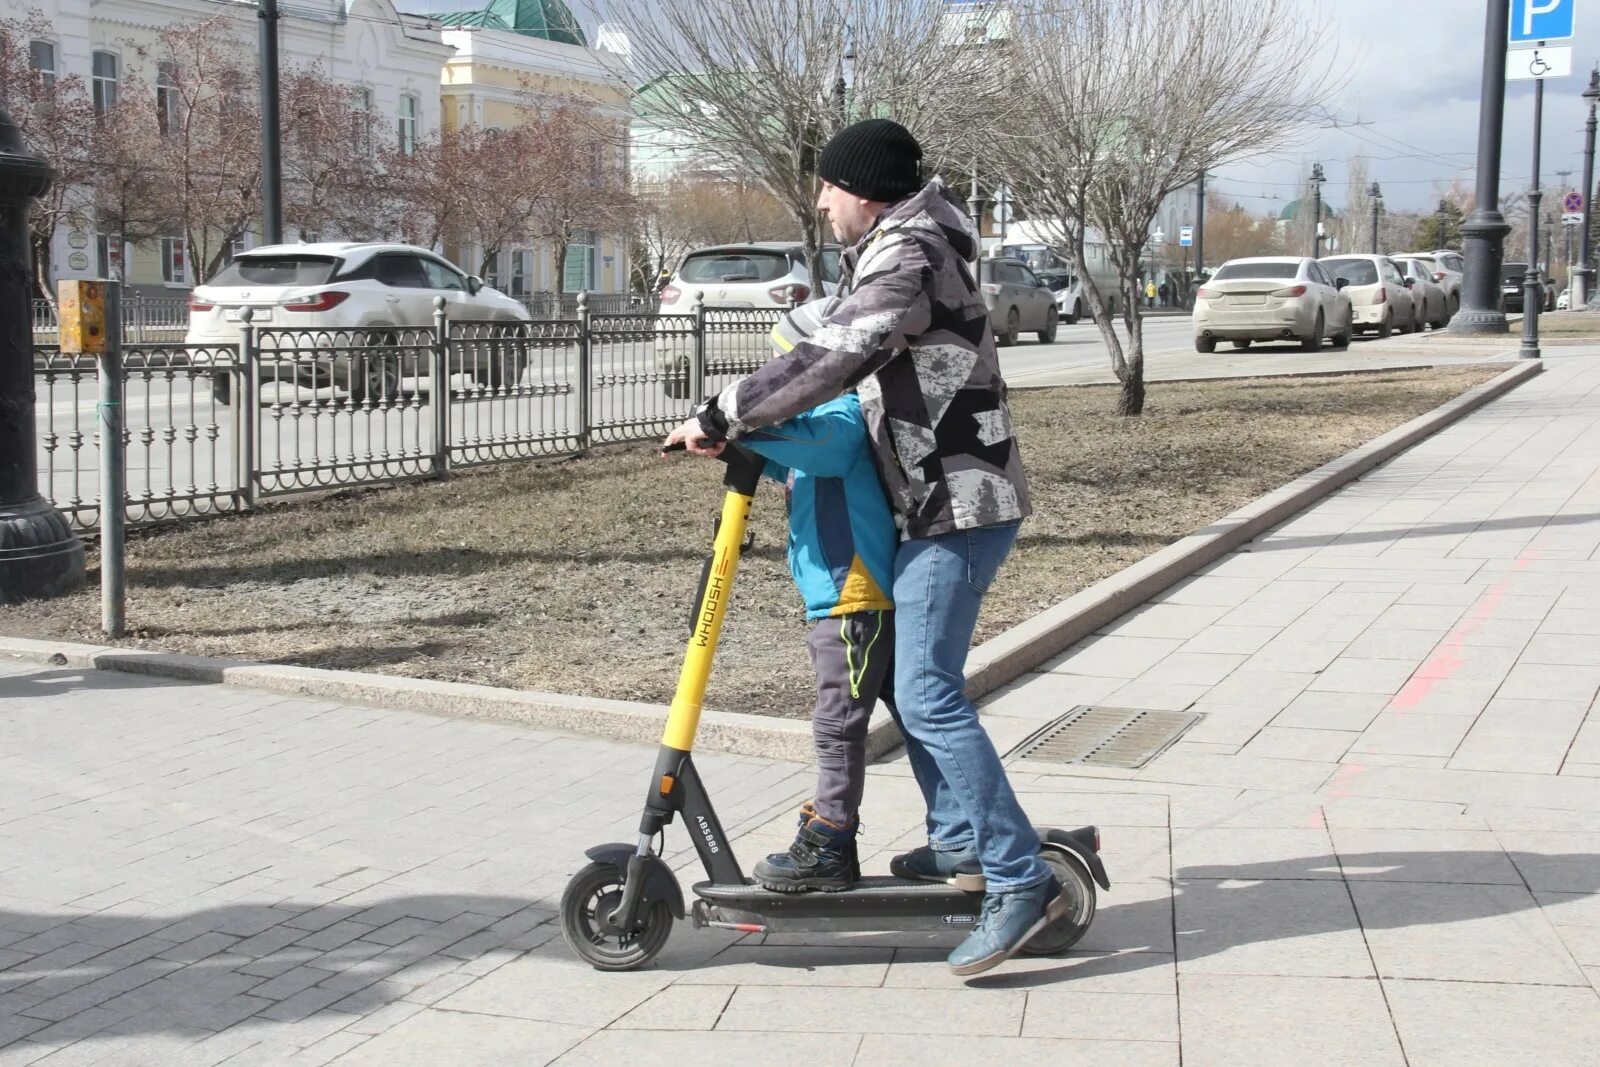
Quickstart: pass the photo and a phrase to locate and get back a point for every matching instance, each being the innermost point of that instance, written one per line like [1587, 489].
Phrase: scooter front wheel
[1078, 886]
[586, 906]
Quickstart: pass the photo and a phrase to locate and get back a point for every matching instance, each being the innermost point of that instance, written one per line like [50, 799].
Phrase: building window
[105, 81]
[408, 124]
[519, 271]
[578, 270]
[361, 133]
[108, 256]
[174, 261]
[42, 58]
[167, 97]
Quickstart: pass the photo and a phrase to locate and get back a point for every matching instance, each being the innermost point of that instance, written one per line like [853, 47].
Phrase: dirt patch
[1565, 325]
[576, 576]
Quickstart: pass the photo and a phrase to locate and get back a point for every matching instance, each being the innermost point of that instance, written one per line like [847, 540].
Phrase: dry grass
[575, 576]
[1566, 325]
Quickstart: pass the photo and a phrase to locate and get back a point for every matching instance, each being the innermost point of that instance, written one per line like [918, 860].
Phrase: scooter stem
[744, 471]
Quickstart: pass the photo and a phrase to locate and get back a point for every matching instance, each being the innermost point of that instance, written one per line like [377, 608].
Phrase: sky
[1410, 106]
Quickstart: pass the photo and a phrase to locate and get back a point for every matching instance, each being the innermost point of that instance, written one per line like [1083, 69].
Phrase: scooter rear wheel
[1079, 887]
[586, 906]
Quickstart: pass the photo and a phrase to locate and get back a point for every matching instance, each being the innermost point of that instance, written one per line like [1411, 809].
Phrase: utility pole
[1316, 210]
[1484, 232]
[1579, 297]
[271, 156]
[1532, 288]
[1377, 206]
[1200, 228]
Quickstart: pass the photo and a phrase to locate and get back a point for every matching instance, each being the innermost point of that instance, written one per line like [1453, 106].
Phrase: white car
[1449, 271]
[1270, 298]
[1378, 292]
[356, 299]
[760, 274]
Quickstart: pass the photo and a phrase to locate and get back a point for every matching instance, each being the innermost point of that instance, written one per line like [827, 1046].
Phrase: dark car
[1511, 279]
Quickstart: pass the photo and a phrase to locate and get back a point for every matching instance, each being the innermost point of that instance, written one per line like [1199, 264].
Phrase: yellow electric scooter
[617, 912]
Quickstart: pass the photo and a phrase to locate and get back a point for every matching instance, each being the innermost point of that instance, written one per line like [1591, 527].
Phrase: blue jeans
[938, 584]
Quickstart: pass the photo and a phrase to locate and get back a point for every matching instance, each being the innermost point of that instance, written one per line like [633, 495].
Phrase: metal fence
[544, 305]
[220, 428]
[144, 319]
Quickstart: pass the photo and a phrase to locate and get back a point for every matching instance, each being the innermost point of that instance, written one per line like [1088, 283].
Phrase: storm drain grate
[1106, 737]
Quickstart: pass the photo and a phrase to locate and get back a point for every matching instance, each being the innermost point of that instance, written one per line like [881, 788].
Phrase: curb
[991, 665]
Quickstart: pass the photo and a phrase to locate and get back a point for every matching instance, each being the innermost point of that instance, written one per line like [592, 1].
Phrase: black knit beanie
[875, 159]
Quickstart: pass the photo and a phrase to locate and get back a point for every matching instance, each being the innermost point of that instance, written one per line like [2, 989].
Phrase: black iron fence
[219, 428]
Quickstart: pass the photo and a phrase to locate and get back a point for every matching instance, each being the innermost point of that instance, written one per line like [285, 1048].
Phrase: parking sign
[1541, 20]
[1185, 236]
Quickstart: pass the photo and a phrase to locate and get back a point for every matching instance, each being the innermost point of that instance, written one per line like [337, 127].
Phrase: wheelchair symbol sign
[1538, 64]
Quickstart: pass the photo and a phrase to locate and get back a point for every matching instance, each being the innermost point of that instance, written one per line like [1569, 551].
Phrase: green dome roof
[1291, 211]
[546, 19]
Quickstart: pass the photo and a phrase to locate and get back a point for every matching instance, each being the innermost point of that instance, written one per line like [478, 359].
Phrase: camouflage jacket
[911, 335]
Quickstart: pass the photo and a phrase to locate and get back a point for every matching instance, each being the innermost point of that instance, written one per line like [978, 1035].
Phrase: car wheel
[1013, 328]
[498, 368]
[1205, 344]
[1242, 345]
[1313, 342]
[1047, 336]
[1387, 325]
[677, 382]
[375, 373]
[1074, 314]
[222, 388]
[1341, 340]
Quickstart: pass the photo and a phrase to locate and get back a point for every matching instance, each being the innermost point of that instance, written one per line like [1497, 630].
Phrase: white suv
[356, 288]
[761, 274]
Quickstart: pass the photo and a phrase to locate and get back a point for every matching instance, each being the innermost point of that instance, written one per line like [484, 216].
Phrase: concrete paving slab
[1113, 656]
[1453, 1024]
[1240, 924]
[435, 1036]
[715, 1049]
[966, 1013]
[1533, 736]
[1332, 711]
[1251, 1021]
[1382, 854]
[1016, 1051]
[1461, 933]
[1322, 745]
[1146, 973]
[1089, 1016]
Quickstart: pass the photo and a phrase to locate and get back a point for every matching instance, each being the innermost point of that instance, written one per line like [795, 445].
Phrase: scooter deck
[876, 902]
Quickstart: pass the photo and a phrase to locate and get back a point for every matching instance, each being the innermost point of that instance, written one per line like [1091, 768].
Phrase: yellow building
[502, 53]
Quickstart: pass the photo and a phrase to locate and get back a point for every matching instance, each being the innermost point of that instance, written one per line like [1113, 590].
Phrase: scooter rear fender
[659, 883]
[1080, 843]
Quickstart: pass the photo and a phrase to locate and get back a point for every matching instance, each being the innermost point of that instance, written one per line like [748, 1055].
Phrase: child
[842, 540]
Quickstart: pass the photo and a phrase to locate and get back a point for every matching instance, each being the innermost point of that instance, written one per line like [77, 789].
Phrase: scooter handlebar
[744, 466]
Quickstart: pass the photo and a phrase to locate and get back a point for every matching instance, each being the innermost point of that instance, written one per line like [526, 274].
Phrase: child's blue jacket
[842, 535]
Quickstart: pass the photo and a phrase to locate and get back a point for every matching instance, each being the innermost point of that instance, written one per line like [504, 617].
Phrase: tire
[1313, 342]
[1075, 315]
[1070, 928]
[375, 375]
[222, 388]
[590, 895]
[1205, 344]
[1241, 345]
[1013, 328]
[1341, 340]
[1047, 336]
[1387, 325]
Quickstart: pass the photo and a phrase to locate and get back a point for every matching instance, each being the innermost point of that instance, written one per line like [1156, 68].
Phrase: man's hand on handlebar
[694, 439]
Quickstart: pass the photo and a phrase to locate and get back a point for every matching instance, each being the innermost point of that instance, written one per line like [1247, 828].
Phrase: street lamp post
[40, 556]
[1579, 296]
[1200, 228]
[1377, 207]
[1532, 287]
[1485, 230]
[1316, 210]
[271, 157]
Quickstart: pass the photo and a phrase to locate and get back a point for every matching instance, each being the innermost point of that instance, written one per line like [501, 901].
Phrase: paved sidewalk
[1380, 844]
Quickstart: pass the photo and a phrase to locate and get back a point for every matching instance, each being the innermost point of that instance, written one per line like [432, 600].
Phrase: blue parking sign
[1541, 20]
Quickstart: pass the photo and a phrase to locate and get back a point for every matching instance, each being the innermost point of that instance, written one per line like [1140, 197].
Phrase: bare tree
[57, 121]
[583, 184]
[1131, 99]
[755, 87]
[680, 212]
[330, 163]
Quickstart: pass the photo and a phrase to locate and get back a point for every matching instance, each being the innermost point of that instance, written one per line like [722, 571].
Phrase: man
[911, 335]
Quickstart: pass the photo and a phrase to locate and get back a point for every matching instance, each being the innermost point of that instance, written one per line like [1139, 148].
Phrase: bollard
[697, 353]
[40, 556]
[585, 373]
[439, 388]
[113, 473]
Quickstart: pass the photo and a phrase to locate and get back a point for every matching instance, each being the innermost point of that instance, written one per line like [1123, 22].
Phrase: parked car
[1448, 271]
[1378, 293]
[1564, 301]
[1428, 301]
[1512, 277]
[1068, 293]
[758, 274]
[351, 301]
[1270, 299]
[1017, 299]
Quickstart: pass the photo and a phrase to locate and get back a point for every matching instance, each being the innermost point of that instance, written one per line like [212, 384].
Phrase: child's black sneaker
[822, 857]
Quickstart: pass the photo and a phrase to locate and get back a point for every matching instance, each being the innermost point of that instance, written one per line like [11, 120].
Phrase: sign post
[91, 325]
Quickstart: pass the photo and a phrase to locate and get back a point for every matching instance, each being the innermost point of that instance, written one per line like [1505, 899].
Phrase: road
[182, 439]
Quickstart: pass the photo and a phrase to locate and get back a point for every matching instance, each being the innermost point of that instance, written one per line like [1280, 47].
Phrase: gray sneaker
[1007, 922]
[960, 869]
